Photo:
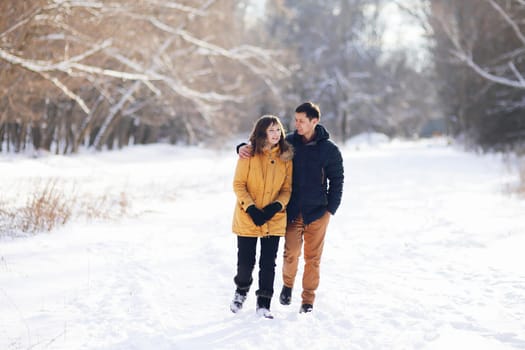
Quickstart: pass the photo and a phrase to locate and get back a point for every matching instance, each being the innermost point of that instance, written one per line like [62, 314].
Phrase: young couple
[285, 186]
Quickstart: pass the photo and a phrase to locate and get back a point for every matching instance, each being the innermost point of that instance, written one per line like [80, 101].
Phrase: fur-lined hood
[285, 156]
[288, 154]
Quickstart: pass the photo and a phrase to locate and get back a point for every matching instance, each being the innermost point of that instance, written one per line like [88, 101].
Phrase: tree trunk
[87, 126]
[344, 125]
[124, 132]
[50, 121]
[138, 134]
[8, 140]
[107, 135]
[2, 128]
[21, 139]
[36, 135]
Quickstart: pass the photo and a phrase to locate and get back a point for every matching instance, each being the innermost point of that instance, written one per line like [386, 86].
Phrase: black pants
[246, 251]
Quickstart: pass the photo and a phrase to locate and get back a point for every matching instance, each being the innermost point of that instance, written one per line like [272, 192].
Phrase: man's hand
[245, 151]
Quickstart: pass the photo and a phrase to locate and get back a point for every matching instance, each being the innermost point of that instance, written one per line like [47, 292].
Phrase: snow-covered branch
[241, 53]
[21, 22]
[463, 51]
[66, 91]
[177, 6]
[509, 20]
[516, 72]
[466, 58]
[39, 66]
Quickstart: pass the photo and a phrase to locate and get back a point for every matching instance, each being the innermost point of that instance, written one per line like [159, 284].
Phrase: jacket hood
[321, 133]
[286, 155]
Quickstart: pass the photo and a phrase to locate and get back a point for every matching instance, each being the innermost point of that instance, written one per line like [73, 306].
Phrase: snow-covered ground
[425, 252]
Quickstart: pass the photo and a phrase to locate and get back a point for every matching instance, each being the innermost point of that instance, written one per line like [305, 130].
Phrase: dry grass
[49, 206]
[45, 208]
[106, 206]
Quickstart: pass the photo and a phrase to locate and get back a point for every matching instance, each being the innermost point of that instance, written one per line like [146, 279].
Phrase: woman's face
[273, 134]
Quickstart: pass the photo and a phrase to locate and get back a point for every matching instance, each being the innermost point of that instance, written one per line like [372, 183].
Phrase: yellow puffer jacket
[261, 180]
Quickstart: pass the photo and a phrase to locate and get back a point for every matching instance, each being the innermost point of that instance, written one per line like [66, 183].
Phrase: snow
[367, 140]
[425, 252]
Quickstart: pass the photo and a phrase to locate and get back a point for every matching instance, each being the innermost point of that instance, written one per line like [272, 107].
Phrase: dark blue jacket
[318, 176]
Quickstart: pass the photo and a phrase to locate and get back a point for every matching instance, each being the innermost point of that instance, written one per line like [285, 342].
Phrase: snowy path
[424, 253]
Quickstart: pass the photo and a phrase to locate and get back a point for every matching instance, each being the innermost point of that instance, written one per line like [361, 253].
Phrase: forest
[107, 74]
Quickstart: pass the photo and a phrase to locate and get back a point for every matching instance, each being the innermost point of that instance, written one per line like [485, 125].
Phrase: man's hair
[311, 110]
[258, 135]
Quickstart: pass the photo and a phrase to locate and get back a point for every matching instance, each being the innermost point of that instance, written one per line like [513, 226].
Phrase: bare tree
[342, 64]
[502, 68]
[127, 66]
[480, 57]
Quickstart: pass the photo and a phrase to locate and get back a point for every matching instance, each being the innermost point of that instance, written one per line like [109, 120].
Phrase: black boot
[305, 308]
[286, 296]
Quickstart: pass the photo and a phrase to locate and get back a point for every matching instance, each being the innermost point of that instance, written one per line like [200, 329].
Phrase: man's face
[305, 126]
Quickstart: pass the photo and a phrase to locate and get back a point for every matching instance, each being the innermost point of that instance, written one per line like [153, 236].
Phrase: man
[317, 188]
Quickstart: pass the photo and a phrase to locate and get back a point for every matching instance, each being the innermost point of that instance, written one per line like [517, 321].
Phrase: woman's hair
[258, 137]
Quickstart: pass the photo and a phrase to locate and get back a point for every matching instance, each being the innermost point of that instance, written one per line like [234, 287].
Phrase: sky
[404, 31]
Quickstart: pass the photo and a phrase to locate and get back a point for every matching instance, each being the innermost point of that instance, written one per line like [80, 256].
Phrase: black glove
[239, 146]
[256, 214]
[271, 209]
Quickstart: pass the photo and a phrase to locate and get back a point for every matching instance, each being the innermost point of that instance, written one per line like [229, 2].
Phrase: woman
[262, 185]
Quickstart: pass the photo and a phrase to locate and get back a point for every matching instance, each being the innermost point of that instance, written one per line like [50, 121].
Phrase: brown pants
[313, 234]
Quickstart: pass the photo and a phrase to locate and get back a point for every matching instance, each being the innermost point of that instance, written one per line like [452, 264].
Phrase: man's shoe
[236, 304]
[305, 308]
[286, 296]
